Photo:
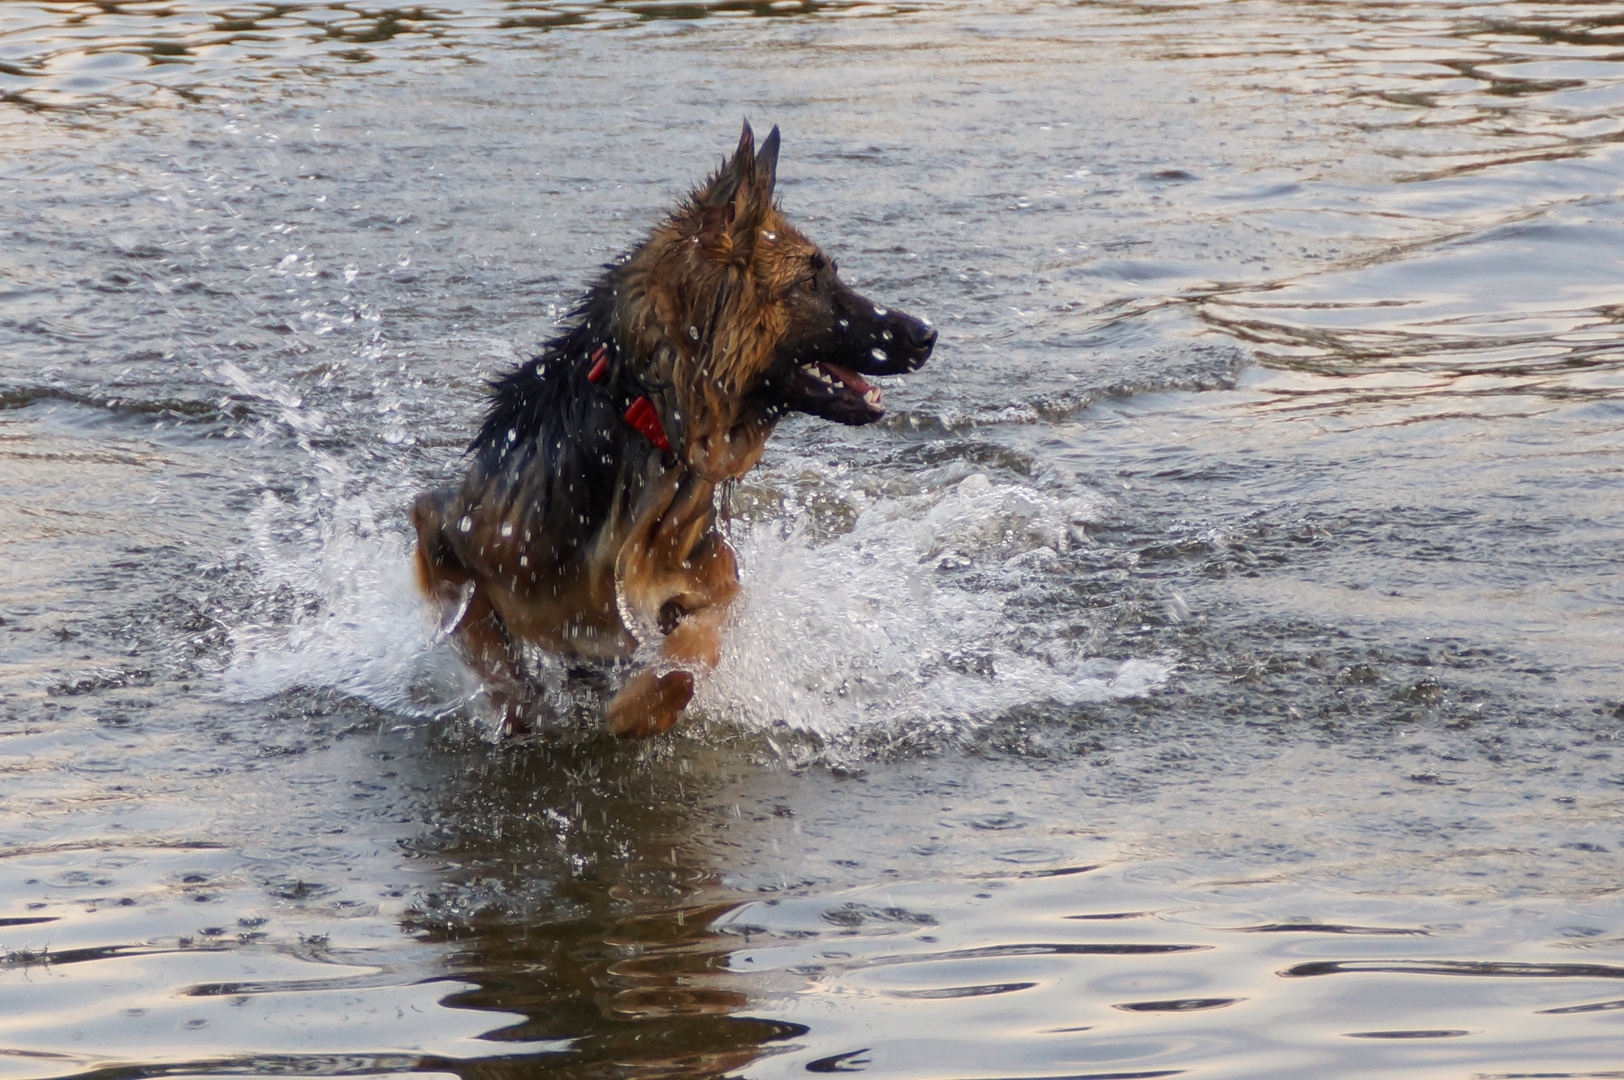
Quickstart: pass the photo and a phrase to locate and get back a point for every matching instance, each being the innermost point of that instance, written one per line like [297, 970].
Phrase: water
[1210, 668]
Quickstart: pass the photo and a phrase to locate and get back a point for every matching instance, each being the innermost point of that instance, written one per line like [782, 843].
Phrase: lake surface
[1210, 668]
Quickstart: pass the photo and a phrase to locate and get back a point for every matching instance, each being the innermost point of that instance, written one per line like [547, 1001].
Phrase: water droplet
[769, 235]
[877, 353]
[507, 528]
[880, 312]
[466, 524]
[845, 324]
[693, 333]
[512, 435]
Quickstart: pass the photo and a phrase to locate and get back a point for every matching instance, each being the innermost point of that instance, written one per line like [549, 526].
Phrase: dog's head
[753, 316]
[827, 336]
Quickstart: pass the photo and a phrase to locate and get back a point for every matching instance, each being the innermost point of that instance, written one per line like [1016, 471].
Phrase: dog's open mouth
[834, 393]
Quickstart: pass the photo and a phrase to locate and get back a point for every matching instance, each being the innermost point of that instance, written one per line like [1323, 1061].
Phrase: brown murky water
[1211, 668]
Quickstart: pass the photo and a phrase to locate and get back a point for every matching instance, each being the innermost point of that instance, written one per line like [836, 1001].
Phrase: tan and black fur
[572, 529]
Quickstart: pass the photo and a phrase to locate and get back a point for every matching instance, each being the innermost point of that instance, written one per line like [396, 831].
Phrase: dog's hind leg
[467, 613]
[491, 652]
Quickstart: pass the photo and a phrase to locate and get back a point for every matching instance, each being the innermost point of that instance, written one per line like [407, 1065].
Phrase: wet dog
[587, 522]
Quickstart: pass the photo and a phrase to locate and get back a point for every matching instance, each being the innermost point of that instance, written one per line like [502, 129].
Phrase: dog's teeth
[873, 396]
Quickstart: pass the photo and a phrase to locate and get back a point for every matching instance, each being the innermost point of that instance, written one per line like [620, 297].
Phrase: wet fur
[572, 530]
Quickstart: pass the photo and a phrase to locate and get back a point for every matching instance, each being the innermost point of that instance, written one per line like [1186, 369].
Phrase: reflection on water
[69, 56]
[1210, 668]
[578, 895]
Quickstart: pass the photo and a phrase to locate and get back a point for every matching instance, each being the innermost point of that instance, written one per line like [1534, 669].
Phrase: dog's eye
[817, 262]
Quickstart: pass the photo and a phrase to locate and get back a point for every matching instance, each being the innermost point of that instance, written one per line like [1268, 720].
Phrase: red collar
[640, 414]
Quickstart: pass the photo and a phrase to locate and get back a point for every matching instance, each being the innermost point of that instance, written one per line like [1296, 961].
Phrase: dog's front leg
[692, 621]
[649, 703]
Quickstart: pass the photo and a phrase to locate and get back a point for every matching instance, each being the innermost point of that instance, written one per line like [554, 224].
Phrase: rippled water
[1211, 667]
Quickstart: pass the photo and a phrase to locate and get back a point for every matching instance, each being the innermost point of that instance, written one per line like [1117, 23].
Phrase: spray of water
[902, 620]
[340, 610]
[899, 621]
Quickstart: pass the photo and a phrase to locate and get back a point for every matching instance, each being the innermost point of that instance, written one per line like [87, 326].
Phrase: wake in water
[899, 621]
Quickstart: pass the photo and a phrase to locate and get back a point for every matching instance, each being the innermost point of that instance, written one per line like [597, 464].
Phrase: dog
[588, 520]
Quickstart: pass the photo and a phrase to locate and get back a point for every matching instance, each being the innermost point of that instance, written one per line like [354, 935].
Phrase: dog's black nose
[920, 336]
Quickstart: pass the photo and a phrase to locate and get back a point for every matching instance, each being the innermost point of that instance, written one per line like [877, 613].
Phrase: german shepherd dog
[587, 523]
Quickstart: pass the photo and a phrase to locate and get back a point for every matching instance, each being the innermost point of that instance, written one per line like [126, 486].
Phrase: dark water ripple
[1476, 968]
[1178, 1005]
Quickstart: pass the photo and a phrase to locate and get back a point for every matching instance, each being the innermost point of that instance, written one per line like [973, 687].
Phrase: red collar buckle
[640, 414]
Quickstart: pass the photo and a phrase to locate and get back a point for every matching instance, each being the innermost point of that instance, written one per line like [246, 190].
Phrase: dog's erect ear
[735, 174]
[766, 167]
[719, 201]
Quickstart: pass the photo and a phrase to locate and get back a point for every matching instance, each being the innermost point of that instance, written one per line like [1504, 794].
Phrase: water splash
[339, 609]
[899, 621]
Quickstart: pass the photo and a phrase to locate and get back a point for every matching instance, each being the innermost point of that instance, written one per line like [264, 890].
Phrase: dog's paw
[648, 704]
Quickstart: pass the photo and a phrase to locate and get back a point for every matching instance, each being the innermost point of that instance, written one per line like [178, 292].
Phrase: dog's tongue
[848, 378]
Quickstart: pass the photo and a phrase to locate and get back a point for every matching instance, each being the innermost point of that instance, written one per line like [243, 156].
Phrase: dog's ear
[766, 168]
[735, 174]
[734, 203]
[718, 201]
